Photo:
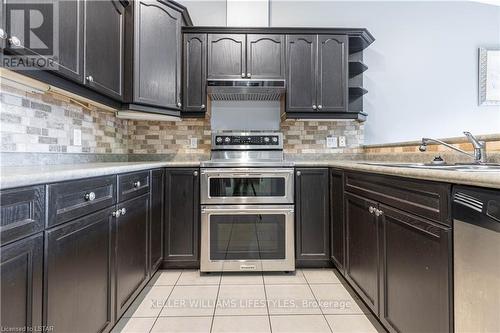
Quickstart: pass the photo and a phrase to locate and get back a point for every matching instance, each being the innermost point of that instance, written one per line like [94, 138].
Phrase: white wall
[422, 76]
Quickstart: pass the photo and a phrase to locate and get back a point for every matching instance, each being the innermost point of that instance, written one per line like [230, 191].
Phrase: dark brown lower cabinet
[337, 227]
[78, 293]
[156, 224]
[362, 262]
[416, 288]
[182, 218]
[131, 250]
[312, 217]
[21, 284]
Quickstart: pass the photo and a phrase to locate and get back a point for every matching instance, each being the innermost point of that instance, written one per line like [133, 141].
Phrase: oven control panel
[247, 140]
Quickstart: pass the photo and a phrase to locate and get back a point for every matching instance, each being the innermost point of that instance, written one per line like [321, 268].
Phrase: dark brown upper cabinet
[71, 29]
[195, 73]
[332, 92]
[317, 74]
[301, 61]
[265, 56]
[240, 56]
[104, 51]
[226, 56]
[312, 217]
[153, 56]
[362, 256]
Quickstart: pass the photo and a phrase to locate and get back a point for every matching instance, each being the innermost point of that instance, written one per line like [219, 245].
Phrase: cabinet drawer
[131, 185]
[73, 199]
[423, 198]
[22, 212]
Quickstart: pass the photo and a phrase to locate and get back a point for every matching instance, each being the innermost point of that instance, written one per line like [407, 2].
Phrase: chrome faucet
[479, 154]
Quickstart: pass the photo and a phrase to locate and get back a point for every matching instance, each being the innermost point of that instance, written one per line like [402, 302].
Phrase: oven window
[247, 187]
[247, 237]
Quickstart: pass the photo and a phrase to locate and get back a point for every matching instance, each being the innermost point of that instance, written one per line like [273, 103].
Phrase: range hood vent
[245, 90]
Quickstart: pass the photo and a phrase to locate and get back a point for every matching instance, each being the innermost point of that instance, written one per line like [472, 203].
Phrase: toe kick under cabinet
[79, 263]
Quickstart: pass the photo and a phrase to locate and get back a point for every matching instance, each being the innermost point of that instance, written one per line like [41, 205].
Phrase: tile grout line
[166, 300]
[267, 304]
[215, 305]
[315, 298]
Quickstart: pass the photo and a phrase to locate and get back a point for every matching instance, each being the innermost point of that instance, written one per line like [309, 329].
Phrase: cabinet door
[332, 73]
[21, 284]
[301, 54]
[415, 289]
[156, 226]
[104, 33]
[226, 56]
[71, 45]
[312, 218]
[157, 54]
[195, 72]
[182, 217]
[362, 248]
[266, 56]
[337, 229]
[131, 250]
[78, 272]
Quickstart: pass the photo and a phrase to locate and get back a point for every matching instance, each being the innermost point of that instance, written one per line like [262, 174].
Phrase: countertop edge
[61, 173]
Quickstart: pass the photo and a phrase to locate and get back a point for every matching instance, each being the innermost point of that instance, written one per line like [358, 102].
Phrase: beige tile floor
[309, 301]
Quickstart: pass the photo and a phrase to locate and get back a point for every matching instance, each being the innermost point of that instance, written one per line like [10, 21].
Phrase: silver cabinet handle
[89, 196]
[320, 107]
[123, 210]
[378, 212]
[90, 78]
[243, 75]
[249, 75]
[15, 41]
[299, 173]
[195, 173]
[371, 209]
[3, 34]
[314, 107]
[117, 213]
[203, 106]
[137, 184]
[179, 104]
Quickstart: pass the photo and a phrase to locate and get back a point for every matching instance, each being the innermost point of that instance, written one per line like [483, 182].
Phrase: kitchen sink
[450, 167]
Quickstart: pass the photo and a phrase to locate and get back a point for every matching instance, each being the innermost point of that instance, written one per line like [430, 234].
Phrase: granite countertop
[30, 175]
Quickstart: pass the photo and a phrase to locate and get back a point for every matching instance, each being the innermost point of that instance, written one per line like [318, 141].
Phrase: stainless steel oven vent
[245, 90]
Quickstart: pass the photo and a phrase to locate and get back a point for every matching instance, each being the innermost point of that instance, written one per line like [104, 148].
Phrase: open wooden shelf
[357, 92]
[356, 68]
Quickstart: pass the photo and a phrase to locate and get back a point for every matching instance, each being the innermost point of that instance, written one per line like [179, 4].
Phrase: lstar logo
[33, 34]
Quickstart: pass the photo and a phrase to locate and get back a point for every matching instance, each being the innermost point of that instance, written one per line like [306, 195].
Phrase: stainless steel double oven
[247, 214]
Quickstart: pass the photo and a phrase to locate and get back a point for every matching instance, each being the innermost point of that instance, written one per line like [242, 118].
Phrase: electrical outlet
[331, 142]
[193, 143]
[77, 137]
[342, 141]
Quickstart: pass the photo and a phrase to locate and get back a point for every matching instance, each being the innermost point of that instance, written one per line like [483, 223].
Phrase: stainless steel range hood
[245, 90]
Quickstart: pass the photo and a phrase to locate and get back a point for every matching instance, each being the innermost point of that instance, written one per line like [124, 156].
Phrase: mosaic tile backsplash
[32, 122]
[45, 123]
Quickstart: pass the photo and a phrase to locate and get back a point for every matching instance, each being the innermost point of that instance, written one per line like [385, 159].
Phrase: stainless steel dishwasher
[476, 233]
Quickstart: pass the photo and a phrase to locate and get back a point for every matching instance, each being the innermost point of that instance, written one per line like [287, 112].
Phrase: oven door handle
[247, 173]
[245, 210]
